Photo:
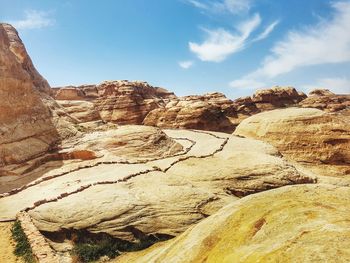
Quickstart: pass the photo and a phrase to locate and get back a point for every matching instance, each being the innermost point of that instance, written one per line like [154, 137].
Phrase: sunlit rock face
[309, 136]
[326, 100]
[26, 127]
[291, 224]
[31, 121]
[215, 112]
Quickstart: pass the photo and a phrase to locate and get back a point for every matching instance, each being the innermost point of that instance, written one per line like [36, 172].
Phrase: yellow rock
[304, 223]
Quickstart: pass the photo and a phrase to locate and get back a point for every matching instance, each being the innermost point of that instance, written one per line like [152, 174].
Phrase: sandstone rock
[309, 136]
[82, 111]
[321, 92]
[327, 101]
[291, 224]
[207, 112]
[124, 102]
[26, 121]
[158, 197]
[121, 102]
[215, 112]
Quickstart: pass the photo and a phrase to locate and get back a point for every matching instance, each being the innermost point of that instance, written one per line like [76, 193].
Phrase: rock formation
[327, 101]
[291, 224]
[27, 112]
[120, 102]
[215, 112]
[309, 136]
[152, 196]
[207, 112]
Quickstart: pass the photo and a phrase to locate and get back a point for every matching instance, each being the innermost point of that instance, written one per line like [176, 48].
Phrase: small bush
[88, 252]
[22, 248]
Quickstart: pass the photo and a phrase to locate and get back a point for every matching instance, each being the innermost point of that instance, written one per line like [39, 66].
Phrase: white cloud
[268, 30]
[337, 85]
[186, 64]
[247, 84]
[33, 19]
[198, 4]
[221, 43]
[223, 6]
[327, 42]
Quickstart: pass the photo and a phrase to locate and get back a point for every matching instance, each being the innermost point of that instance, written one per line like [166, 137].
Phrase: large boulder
[309, 136]
[291, 224]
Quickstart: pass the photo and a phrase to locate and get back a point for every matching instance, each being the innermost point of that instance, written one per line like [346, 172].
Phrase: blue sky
[188, 46]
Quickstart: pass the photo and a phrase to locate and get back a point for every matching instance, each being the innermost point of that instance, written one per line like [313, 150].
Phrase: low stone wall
[40, 247]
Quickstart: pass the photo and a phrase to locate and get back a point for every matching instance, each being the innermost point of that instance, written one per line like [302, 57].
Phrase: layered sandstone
[325, 100]
[121, 102]
[207, 112]
[309, 136]
[137, 198]
[215, 112]
[26, 127]
[291, 224]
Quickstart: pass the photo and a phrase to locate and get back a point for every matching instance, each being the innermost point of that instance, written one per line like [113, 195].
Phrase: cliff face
[28, 115]
[26, 128]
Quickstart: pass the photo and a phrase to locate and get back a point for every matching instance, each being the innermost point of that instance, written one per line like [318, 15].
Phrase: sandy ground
[7, 245]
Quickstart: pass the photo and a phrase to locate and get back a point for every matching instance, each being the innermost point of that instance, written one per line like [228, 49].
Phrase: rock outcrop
[325, 100]
[291, 224]
[32, 123]
[120, 102]
[27, 129]
[215, 112]
[137, 197]
[207, 112]
[309, 136]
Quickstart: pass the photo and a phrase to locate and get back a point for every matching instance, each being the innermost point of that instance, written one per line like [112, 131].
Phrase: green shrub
[22, 248]
[88, 252]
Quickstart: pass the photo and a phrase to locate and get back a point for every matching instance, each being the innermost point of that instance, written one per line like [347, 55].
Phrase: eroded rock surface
[157, 197]
[292, 224]
[325, 100]
[215, 112]
[309, 136]
[30, 118]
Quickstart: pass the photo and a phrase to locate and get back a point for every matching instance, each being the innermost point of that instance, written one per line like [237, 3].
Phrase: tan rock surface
[215, 112]
[325, 100]
[157, 197]
[26, 126]
[306, 223]
[309, 136]
[207, 112]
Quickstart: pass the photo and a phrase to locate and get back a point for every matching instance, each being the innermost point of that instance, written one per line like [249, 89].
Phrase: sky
[188, 46]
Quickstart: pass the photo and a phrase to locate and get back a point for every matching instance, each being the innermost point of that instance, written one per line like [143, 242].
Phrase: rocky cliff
[26, 124]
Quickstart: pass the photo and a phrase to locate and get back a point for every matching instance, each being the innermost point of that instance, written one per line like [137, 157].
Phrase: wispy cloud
[337, 85]
[221, 43]
[186, 64]
[222, 6]
[268, 30]
[327, 42]
[34, 19]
